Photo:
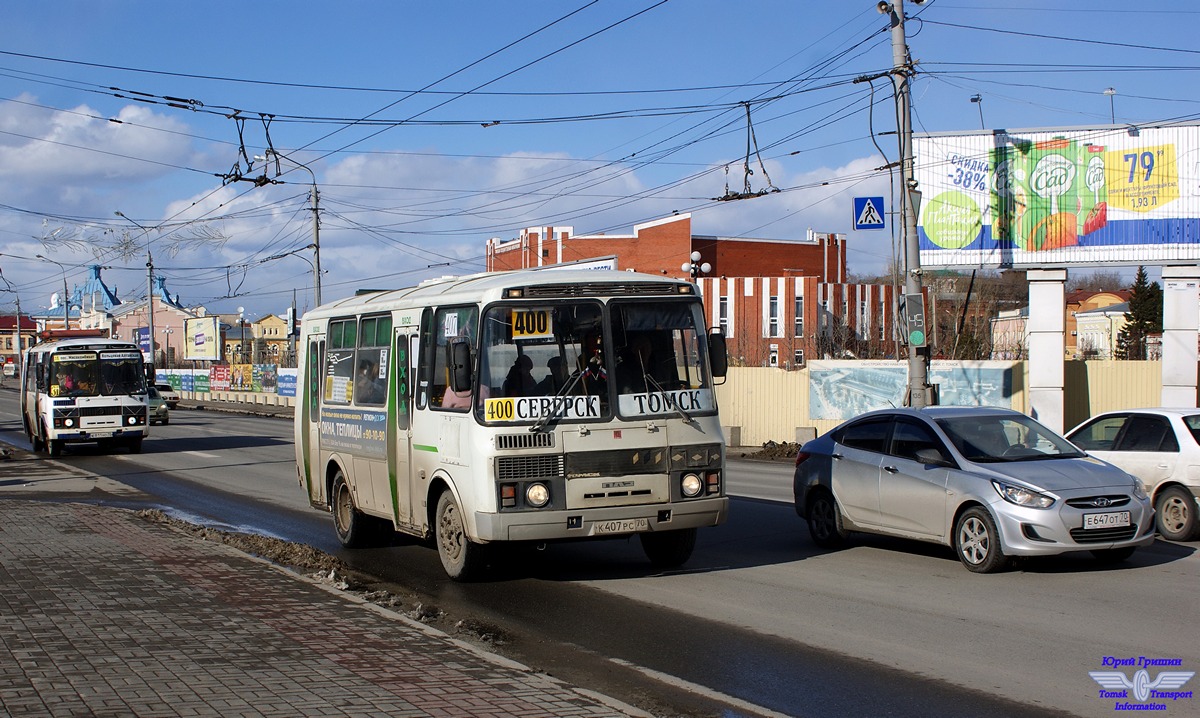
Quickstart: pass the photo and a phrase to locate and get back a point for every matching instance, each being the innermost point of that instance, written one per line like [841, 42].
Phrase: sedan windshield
[989, 439]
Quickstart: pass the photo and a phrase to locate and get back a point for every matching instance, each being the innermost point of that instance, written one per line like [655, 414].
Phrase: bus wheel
[462, 558]
[668, 549]
[135, 445]
[352, 526]
[54, 447]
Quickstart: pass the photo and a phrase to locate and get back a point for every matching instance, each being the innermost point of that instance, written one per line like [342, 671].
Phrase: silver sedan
[991, 483]
[1162, 448]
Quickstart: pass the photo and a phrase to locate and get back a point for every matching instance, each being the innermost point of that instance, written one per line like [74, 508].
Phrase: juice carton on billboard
[1047, 194]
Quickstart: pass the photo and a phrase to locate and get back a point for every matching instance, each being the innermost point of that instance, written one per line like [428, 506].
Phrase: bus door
[399, 430]
[313, 390]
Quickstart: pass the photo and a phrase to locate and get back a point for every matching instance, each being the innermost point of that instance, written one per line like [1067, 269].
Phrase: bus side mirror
[460, 367]
[718, 356]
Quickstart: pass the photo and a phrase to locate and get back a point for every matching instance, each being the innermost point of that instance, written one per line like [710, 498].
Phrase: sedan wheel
[977, 542]
[1176, 515]
[825, 520]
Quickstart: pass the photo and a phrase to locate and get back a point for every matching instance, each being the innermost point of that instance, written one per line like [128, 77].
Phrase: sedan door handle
[836, 456]
[891, 469]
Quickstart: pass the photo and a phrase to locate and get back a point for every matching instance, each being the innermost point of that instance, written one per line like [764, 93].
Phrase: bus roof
[487, 287]
[84, 343]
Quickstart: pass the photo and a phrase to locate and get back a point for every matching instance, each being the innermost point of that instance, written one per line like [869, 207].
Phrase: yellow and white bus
[514, 406]
[79, 388]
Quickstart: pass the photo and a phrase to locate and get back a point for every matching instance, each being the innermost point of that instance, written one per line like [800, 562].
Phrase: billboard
[1059, 197]
[202, 339]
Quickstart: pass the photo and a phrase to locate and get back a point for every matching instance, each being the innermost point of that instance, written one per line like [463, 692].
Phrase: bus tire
[40, 443]
[135, 445]
[354, 529]
[54, 447]
[462, 558]
[668, 549]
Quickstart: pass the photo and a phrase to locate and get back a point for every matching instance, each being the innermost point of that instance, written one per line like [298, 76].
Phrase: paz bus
[525, 406]
[78, 386]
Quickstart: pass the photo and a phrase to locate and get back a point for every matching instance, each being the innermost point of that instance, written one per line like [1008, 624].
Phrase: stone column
[1047, 295]
[1181, 316]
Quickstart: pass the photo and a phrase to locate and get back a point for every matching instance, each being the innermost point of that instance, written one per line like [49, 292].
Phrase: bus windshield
[562, 362]
[89, 373]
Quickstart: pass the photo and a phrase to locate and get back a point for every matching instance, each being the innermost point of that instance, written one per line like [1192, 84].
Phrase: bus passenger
[462, 399]
[519, 381]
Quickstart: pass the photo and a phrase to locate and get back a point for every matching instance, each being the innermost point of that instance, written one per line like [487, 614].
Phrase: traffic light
[912, 308]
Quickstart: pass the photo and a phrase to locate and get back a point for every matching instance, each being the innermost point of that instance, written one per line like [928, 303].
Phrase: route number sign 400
[532, 323]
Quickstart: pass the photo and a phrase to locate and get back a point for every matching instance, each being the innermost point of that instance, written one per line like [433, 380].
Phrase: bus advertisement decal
[361, 432]
[531, 408]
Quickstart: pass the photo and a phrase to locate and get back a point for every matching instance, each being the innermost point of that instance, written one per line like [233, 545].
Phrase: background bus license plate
[1104, 521]
[620, 526]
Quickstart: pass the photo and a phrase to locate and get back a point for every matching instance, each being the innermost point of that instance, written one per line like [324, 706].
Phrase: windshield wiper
[543, 421]
[658, 387]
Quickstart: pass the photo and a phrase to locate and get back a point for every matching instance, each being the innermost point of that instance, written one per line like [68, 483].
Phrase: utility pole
[902, 72]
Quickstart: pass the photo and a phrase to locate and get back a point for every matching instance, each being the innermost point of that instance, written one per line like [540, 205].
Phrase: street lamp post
[167, 349]
[149, 289]
[316, 229]
[695, 267]
[978, 100]
[1112, 106]
[66, 297]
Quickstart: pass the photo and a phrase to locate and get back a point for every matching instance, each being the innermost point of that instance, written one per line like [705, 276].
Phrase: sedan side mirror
[933, 457]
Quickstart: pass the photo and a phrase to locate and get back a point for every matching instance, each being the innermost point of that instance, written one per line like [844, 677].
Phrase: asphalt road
[760, 622]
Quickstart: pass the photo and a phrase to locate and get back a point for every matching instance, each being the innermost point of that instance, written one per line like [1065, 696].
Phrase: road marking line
[707, 692]
[201, 454]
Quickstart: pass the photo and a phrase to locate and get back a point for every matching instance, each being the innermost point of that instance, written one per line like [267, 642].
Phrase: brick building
[663, 245]
[779, 302]
[785, 321]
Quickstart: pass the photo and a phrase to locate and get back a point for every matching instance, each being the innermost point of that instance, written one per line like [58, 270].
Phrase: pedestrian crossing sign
[868, 213]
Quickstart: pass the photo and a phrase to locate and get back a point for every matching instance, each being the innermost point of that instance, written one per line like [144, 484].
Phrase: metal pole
[316, 241]
[918, 360]
[149, 293]
[150, 305]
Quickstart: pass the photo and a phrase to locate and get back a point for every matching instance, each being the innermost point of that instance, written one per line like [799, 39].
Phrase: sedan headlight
[1139, 490]
[1022, 496]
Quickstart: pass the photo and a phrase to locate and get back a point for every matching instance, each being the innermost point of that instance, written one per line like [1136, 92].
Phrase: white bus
[83, 389]
[514, 406]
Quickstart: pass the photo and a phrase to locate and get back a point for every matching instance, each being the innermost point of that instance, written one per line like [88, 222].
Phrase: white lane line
[201, 454]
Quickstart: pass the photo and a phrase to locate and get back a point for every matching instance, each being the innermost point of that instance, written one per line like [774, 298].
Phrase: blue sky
[599, 115]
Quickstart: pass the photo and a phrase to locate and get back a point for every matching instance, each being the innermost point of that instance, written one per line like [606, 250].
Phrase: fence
[760, 404]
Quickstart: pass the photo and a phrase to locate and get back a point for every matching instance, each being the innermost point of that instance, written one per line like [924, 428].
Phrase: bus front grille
[521, 468]
[537, 440]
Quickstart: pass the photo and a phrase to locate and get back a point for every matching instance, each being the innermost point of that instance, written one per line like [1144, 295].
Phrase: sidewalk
[108, 613]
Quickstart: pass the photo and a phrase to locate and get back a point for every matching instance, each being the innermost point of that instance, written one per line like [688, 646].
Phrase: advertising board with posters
[1059, 197]
[202, 339]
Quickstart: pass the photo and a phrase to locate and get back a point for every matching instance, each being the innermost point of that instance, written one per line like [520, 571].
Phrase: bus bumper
[98, 434]
[600, 522]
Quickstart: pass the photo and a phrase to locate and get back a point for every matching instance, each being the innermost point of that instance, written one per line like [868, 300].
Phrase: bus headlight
[537, 495]
[132, 420]
[691, 485]
[68, 423]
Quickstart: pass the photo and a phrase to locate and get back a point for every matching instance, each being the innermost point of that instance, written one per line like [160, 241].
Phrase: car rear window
[867, 435]
[1193, 424]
